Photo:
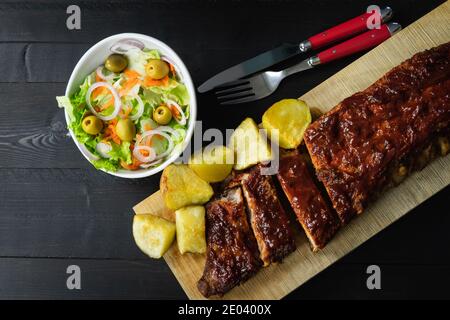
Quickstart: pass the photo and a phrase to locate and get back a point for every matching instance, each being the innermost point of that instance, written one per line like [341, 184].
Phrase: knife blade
[288, 50]
[252, 65]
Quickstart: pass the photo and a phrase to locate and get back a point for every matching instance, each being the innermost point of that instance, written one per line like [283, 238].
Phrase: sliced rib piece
[268, 219]
[358, 144]
[232, 253]
[319, 222]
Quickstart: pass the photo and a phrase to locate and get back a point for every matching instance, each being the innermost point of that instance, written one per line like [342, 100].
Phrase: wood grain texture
[57, 59]
[12, 69]
[67, 213]
[42, 278]
[276, 281]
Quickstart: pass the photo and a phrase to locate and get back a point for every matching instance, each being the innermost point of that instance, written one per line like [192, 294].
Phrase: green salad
[131, 112]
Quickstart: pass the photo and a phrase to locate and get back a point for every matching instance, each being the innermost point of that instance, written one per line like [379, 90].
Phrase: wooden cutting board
[276, 281]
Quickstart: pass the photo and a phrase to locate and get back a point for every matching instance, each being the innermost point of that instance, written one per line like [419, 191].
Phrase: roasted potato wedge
[190, 225]
[213, 164]
[181, 187]
[290, 117]
[249, 145]
[152, 234]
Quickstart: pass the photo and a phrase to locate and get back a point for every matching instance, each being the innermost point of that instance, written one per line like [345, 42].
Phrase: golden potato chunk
[290, 117]
[190, 224]
[181, 187]
[213, 164]
[249, 145]
[152, 234]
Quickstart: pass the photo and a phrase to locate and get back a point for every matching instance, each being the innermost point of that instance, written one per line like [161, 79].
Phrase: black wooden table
[56, 210]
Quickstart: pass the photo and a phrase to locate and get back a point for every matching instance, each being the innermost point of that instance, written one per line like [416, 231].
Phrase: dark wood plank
[33, 129]
[215, 36]
[223, 24]
[68, 213]
[47, 62]
[417, 238]
[12, 68]
[100, 279]
[24, 278]
[348, 282]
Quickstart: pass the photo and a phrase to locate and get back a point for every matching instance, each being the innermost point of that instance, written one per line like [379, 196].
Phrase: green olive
[162, 115]
[92, 125]
[157, 69]
[125, 129]
[116, 63]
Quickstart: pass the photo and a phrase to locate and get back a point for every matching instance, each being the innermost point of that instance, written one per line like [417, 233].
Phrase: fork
[264, 84]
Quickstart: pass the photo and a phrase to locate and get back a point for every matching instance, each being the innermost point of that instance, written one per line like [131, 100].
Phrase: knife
[287, 50]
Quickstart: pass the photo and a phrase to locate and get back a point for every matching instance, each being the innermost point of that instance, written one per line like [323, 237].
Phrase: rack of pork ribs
[367, 143]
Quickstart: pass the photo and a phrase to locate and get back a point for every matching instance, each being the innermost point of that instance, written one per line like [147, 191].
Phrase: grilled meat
[232, 252]
[319, 222]
[359, 144]
[268, 219]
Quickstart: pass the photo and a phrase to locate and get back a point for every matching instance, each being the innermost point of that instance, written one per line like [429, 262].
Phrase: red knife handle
[359, 43]
[349, 28]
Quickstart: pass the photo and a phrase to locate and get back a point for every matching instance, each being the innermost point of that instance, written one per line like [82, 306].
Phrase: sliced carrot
[175, 112]
[98, 91]
[108, 104]
[131, 74]
[149, 82]
[148, 142]
[127, 86]
[133, 166]
[165, 81]
[116, 139]
[125, 113]
[110, 132]
[148, 127]
[172, 69]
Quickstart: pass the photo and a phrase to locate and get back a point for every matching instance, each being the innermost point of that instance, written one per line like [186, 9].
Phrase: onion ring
[182, 121]
[103, 149]
[117, 102]
[147, 165]
[160, 132]
[138, 155]
[140, 109]
[168, 60]
[124, 45]
[169, 130]
[100, 74]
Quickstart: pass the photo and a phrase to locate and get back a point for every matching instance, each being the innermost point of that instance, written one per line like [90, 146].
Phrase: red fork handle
[348, 28]
[359, 43]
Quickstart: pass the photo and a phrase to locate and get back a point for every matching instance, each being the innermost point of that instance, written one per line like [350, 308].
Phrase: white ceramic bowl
[96, 56]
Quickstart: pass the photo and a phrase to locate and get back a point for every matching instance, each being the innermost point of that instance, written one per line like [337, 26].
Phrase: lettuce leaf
[180, 94]
[64, 102]
[181, 130]
[151, 97]
[106, 164]
[121, 152]
[152, 54]
[175, 91]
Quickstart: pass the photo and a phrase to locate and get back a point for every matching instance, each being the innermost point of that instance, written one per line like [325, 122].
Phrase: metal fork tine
[237, 94]
[236, 101]
[244, 86]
